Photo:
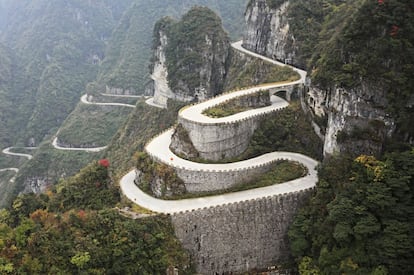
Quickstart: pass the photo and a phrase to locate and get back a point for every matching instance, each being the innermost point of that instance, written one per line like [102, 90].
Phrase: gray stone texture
[220, 141]
[267, 31]
[201, 181]
[239, 237]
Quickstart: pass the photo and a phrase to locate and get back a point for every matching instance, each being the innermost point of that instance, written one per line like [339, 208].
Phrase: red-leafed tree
[394, 30]
[104, 162]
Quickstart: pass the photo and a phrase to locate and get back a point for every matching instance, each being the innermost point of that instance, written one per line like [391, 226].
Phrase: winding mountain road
[126, 96]
[56, 145]
[9, 169]
[85, 100]
[150, 101]
[158, 148]
[8, 152]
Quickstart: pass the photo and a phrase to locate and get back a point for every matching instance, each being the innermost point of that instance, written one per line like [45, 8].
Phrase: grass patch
[239, 104]
[245, 72]
[223, 111]
[93, 126]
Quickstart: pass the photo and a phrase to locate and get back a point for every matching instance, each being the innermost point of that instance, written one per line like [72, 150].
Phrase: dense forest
[76, 228]
[361, 219]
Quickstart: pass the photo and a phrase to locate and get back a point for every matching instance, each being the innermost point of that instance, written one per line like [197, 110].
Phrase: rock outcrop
[189, 63]
[268, 31]
[354, 103]
[119, 91]
[357, 120]
[159, 75]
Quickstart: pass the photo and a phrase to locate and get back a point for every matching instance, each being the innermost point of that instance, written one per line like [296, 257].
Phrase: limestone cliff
[268, 30]
[366, 80]
[356, 119]
[190, 57]
[162, 91]
[360, 96]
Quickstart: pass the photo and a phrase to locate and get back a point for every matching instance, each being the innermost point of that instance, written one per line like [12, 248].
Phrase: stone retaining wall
[202, 181]
[217, 141]
[239, 237]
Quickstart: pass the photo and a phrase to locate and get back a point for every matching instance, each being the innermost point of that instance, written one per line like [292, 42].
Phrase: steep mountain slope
[368, 79]
[191, 57]
[76, 228]
[6, 84]
[130, 40]
[70, 39]
[125, 67]
[359, 55]
[53, 51]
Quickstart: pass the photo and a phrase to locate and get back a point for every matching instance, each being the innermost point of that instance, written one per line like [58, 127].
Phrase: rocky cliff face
[159, 72]
[353, 99]
[351, 120]
[357, 120]
[189, 63]
[268, 30]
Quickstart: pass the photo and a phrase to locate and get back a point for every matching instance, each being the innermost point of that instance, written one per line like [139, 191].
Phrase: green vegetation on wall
[158, 179]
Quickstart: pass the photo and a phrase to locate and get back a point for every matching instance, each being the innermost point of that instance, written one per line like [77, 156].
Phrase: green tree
[360, 219]
[81, 259]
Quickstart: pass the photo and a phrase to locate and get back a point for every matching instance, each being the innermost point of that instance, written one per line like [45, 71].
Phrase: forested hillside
[373, 48]
[361, 219]
[75, 41]
[69, 36]
[75, 228]
[6, 85]
[53, 51]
